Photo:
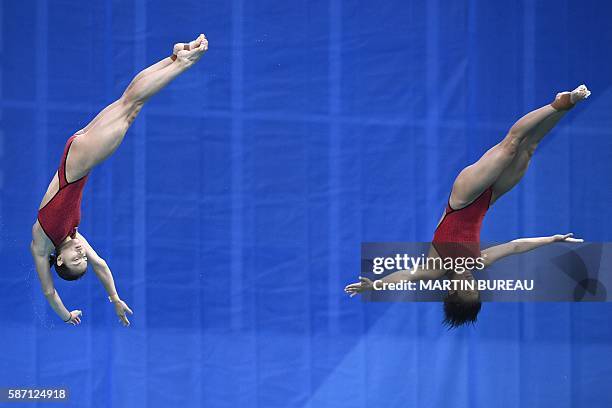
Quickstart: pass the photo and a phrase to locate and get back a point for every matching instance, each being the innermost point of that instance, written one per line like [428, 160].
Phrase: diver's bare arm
[409, 275]
[518, 246]
[366, 284]
[100, 268]
[105, 276]
[41, 262]
[396, 277]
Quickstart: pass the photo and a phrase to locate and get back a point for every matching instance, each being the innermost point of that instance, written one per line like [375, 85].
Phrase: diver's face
[466, 295]
[73, 256]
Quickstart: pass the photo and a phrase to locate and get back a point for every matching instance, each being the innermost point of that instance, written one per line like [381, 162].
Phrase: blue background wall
[232, 214]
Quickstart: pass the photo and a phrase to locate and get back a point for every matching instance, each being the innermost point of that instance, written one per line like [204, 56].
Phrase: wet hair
[64, 271]
[459, 312]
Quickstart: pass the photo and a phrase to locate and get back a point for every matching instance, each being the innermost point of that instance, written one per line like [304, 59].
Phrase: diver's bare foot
[579, 94]
[567, 100]
[191, 56]
[188, 46]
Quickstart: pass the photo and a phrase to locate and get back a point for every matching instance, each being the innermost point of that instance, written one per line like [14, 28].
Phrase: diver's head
[462, 306]
[70, 260]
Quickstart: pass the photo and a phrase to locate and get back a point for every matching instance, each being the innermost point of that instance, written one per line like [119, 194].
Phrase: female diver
[55, 240]
[476, 188]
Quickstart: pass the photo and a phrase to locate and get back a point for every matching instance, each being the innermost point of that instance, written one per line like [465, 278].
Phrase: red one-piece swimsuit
[458, 234]
[60, 217]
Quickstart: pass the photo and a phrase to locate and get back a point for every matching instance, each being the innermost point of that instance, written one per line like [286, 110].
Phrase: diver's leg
[512, 150]
[516, 170]
[155, 67]
[105, 133]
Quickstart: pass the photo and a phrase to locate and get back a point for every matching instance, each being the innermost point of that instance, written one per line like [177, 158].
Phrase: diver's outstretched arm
[518, 246]
[43, 268]
[407, 275]
[105, 276]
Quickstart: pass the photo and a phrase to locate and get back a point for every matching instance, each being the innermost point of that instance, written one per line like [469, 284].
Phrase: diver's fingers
[124, 320]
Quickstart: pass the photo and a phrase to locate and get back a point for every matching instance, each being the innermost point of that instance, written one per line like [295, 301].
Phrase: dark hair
[459, 312]
[64, 271]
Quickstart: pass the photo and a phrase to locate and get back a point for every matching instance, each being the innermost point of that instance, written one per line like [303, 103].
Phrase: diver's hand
[566, 238]
[75, 318]
[121, 308]
[359, 287]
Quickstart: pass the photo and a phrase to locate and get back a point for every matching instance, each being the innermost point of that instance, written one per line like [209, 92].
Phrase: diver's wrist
[113, 298]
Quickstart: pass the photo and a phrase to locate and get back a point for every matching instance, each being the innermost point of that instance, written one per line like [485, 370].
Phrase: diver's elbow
[49, 292]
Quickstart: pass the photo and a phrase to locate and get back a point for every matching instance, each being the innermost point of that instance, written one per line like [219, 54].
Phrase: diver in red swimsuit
[55, 240]
[476, 188]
